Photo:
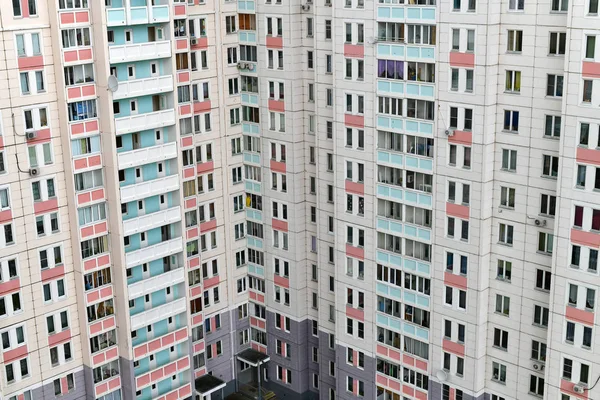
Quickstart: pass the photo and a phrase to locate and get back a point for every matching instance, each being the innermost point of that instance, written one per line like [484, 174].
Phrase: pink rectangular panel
[70, 56]
[171, 368]
[189, 172]
[197, 319]
[179, 10]
[98, 358]
[196, 291]
[80, 163]
[465, 60]
[208, 226]
[393, 354]
[85, 54]
[140, 351]
[382, 350]
[73, 93]
[187, 141]
[184, 391]
[181, 44]
[354, 120]
[41, 207]
[64, 385]
[167, 340]
[5, 215]
[585, 238]
[202, 106]
[88, 90]
[42, 136]
[453, 347]
[394, 384]
[183, 77]
[77, 129]
[355, 313]
[274, 42]
[354, 50]
[355, 187]
[89, 264]
[82, 17]
[583, 316]
[382, 380]
[101, 388]
[181, 334]
[185, 109]
[103, 260]
[461, 137]
[590, 69]
[210, 282]
[260, 298]
[204, 167]
[454, 280]
[408, 390]
[279, 225]
[457, 210]
[98, 194]
[53, 273]
[356, 252]
[29, 63]
[408, 360]
[91, 126]
[100, 228]
[190, 203]
[10, 286]
[278, 166]
[14, 354]
[281, 281]
[194, 262]
[67, 18]
[93, 296]
[567, 387]
[588, 156]
[201, 43]
[420, 395]
[276, 105]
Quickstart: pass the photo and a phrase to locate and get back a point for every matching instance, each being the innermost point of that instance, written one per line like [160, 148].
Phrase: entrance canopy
[208, 384]
[253, 357]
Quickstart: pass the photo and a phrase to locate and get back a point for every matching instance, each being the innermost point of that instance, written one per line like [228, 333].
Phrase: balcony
[142, 122]
[144, 87]
[137, 15]
[154, 187]
[154, 252]
[150, 221]
[147, 155]
[150, 285]
[159, 313]
[139, 51]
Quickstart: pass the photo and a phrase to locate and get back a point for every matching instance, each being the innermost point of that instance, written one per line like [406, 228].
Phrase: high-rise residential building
[304, 200]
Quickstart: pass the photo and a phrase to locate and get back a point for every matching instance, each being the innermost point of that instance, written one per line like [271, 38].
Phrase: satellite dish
[441, 375]
[113, 83]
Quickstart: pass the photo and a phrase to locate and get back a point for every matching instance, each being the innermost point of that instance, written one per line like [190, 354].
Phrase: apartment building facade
[391, 200]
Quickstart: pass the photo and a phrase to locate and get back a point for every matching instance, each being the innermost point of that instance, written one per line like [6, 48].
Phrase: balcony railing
[146, 155]
[139, 51]
[154, 252]
[153, 220]
[145, 189]
[150, 285]
[159, 313]
[142, 122]
[144, 87]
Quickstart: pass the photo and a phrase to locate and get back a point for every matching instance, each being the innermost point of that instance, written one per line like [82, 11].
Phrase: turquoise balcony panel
[425, 53]
[255, 242]
[390, 50]
[138, 15]
[250, 99]
[425, 128]
[397, 160]
[385, 122]
[256, 270]
[115, 16]
[253, 187]
[160, 13]
[140, 33]
[117, 4]
[246, 5]
[253, 214]
[247, 36]
[390, 87]
[142, 70]
[250, 128]
[394, 13]
[151, 205]
[426, 14]
[417, 89]
[144, 105]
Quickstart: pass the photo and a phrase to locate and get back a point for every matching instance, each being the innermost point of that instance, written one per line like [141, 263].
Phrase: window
[507, 197]
[503, 304]
[590, 46]
[509, 160]
[230, 24]
[515, 40]
[554, 85]
[552, 126]
[498, 372]
[550, 166]
[516, 5]
[538, 350]
[513, 81]
[536, 385]
[505, 234]
[558, 42]
[540, 316]
[587, 90]
[545, 243]
[511, 121]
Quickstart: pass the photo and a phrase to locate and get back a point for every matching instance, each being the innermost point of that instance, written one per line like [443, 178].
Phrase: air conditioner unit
[31, 135]
[579, 389]
[240, 65]
[449, 132]
[538, 366]
[305, 7]
[193, 41]
[34, 171]
[540, 222]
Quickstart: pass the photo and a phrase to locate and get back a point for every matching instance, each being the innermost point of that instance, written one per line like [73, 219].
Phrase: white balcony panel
[143, 87]
[159, 313]
[142, 122]
[154, 252]
[147, 155]
[155, 283]
[154, 187]
[139, 51]
[149, 221]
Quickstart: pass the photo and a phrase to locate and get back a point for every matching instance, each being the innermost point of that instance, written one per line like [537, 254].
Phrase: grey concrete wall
[366, 375]
[79, 392]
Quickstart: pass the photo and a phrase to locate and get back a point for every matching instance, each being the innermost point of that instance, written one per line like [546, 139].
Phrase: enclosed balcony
[151, 221]
[125, 12]
[158, 282]
[142, 122]
[157, 298]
